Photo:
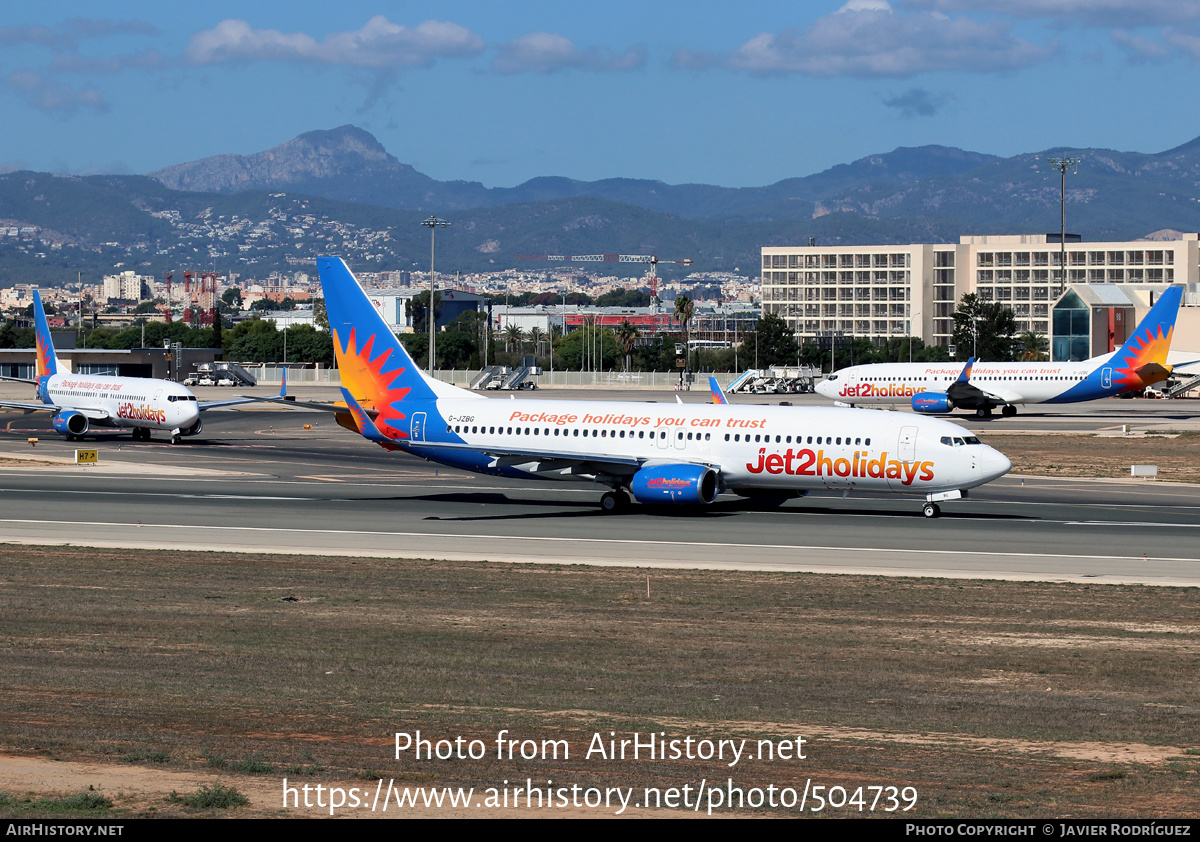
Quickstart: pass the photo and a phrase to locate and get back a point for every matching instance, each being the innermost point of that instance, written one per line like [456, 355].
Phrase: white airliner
[81, 402]
[944, 387]
[673, 454]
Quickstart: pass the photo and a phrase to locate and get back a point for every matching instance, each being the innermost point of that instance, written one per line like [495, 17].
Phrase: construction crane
[167, 309]
[651, 273]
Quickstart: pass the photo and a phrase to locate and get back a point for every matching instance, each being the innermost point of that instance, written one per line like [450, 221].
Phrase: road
[259, 481]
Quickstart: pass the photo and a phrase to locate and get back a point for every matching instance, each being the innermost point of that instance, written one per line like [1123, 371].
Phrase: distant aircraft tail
[717, 395]
[374, 366]
[966, 372]
[1142, 360]
[47, 360]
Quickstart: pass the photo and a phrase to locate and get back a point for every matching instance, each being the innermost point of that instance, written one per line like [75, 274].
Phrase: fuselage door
[417, 430]
[662, 438]
[678, 438]
[908, 443]
[1106, 378]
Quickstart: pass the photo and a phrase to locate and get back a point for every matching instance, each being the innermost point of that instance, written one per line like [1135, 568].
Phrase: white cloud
[1184, 42]
[917, 102]
[45, 94]
[1139, 47]
[379, 44]
[1121, 13]
[546, 52]
[66, 36]
[871, 39]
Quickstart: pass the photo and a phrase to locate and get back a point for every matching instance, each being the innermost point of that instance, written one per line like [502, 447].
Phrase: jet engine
[70, 423]
[675, 485]
[932, 402]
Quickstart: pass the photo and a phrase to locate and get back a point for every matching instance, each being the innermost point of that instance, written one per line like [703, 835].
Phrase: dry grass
[992, 698]
[1177, 455]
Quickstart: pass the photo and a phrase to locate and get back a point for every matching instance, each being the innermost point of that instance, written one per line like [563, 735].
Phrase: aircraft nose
[824, 389]
[995, 464]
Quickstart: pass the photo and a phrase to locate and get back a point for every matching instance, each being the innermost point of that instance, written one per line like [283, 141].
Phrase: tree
[626, 335]
[417, 309]
[232, 297]
[985, 330]
[513, 337]
[1032, 346]
[685, 308]
[535, 338]
[776, 343]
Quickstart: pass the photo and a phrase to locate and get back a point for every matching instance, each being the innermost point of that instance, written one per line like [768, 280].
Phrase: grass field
[992, 699]
[1177, 455]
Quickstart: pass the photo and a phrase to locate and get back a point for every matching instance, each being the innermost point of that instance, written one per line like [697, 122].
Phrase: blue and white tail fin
[47, 360]
[718, 395]
[372, 362]
[1142, 360]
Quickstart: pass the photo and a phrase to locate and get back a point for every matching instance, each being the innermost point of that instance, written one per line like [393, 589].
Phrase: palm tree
[684, 309]
[1032, 345]
[535, 338]
[626, 334]
[514, 336]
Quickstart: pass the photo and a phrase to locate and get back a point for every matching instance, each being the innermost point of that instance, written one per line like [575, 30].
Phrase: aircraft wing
[239, 400]
[282, 397]
[94, 413]
[28, 406]
[967, 394]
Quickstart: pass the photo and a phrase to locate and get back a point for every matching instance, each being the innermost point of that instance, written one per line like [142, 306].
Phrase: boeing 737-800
[983, 386]
[80, 402]
[674, 454]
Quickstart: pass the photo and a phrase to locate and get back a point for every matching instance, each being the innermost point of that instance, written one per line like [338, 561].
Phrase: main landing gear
[141, 434]
[614, 501]
[1009, 410]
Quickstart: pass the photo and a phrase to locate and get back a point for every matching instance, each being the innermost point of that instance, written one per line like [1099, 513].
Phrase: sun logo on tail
[1142, 349]
[375, 384]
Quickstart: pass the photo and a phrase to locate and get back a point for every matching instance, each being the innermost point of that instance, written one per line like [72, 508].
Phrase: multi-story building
[879, 292]
[126, 286]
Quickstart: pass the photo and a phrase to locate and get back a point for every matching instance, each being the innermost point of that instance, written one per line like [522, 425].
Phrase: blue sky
[735, 94]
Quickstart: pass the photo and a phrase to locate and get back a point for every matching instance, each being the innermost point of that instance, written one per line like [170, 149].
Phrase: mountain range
[340, 192]
[1114, 195]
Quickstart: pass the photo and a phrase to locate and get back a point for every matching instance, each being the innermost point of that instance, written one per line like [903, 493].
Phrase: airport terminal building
[877, 292]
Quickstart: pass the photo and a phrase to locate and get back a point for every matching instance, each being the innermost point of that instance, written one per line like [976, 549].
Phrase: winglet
[283, 395]
[717, 394]
[366, 427]
[966, 372]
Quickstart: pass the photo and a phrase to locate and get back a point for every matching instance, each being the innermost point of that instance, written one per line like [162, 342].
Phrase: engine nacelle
[932, 402]
[687, 485]
[70, 423]
[195, 429]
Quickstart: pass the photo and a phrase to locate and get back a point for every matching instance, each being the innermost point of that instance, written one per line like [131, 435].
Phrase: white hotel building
[874, 291]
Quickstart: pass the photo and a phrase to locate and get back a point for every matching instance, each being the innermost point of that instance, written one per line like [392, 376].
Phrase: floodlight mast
[433, 223]
[1062, 165]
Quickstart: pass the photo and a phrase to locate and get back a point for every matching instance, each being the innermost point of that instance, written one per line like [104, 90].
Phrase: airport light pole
[433, 223]
[1062, 165]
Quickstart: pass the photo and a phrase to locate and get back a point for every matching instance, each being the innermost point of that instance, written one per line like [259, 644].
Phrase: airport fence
[270, 375]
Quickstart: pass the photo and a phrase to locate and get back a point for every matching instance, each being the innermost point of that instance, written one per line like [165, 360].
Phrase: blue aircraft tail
[1142, 360]
[373, 364]
[47, 360]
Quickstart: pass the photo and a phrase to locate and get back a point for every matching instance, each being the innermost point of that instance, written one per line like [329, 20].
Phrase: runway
[257, 481]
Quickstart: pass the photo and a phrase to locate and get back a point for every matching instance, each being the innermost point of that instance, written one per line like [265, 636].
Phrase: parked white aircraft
[81, 402]
[680, 454]
[944, 387]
